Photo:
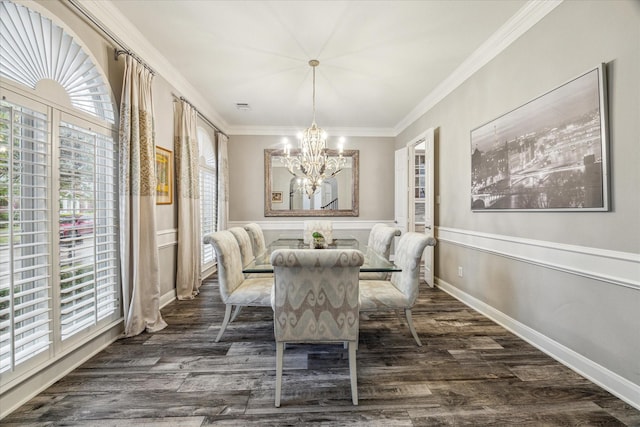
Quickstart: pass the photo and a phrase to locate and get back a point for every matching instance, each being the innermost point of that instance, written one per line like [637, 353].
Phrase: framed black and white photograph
[548, 154]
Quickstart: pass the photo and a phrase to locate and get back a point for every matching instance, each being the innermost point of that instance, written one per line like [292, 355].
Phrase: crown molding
[529, 15]
[110, 17]
[286, 131]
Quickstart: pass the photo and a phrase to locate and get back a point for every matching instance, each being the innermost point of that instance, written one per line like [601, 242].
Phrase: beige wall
[571, 299]
[246, 177]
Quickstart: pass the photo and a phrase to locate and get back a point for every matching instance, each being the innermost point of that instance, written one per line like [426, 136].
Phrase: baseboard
[30, 387]
[610, 381]
[168, 298]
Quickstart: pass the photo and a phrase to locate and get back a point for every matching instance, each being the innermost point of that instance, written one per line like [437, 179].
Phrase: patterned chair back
[229, 261]
[316, 294]
[258, 242]
[381, 238]
[244, 242]
[408, 256]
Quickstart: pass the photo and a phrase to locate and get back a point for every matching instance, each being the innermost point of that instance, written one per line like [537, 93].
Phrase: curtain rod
[119, 52]
[182, 98]
[124, 49]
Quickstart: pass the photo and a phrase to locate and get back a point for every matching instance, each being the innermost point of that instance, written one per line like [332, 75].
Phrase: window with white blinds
[59, 265]
[59, 274]
[208, 191]
[207, 212]
[88, 247]
[25, 240]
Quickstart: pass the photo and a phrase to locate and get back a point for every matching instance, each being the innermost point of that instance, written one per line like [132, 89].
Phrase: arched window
[208, 191]
[59, 281]
[34, 49]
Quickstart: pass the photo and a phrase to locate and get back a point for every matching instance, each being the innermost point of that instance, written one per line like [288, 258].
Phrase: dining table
[373, 262]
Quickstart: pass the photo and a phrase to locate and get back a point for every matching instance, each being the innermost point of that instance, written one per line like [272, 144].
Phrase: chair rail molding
[167, 238]
[614, 267]
[299, 224]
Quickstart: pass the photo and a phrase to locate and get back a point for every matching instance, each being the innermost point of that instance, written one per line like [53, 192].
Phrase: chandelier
[312, 164]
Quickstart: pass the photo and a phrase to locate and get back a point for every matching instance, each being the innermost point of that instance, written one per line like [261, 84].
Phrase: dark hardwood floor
[470, 371]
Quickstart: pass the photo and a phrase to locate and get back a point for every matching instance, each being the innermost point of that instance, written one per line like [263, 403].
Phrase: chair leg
[236, 312]
[407, 312]
[225, 322]
[352, 372]
[279, 361]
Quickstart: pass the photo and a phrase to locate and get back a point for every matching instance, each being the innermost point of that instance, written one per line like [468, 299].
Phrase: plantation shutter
[207, 211]
[25, 262]
[208, 189]
[88, 233]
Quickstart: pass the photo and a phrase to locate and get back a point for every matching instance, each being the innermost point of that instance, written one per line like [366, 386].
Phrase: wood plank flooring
[470, 371]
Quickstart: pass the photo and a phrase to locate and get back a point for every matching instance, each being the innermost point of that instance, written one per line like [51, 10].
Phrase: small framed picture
[164, 175]
[276, 197]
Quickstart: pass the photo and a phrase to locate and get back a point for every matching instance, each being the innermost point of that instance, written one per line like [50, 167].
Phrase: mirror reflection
[285, 194]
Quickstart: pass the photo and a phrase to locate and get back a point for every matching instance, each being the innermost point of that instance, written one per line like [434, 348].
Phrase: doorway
[415, 197]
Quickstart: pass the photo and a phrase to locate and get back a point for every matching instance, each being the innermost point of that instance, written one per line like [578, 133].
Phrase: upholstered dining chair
[380, 240]
[258, 241]
[400, 292]
[236, 290]
[244, 243]
[316, 300]
[246, 252]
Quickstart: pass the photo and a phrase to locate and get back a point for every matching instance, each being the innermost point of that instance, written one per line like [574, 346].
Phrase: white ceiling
[379, 60]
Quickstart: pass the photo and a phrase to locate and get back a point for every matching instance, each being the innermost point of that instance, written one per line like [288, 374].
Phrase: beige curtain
[138, 246]
[188, 278]
[223, 182]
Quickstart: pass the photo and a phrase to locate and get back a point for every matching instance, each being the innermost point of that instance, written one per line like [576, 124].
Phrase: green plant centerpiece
[318, 241]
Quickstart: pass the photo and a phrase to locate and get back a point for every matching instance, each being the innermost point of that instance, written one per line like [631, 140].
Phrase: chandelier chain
[314, 64]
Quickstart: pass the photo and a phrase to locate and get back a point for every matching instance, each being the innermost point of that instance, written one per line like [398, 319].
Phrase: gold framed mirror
[284, 194]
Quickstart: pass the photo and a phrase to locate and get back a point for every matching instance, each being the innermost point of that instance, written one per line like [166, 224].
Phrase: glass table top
[372, 261]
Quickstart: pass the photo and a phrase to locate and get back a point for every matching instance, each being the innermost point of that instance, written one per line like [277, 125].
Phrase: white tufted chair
[316, 300]
[380, 240]
[258, 242]
[401, 291]
[235, 290]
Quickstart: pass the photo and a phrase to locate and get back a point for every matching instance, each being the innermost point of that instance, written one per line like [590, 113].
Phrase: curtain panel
[188, 277]
[138, 244]
[223, 182]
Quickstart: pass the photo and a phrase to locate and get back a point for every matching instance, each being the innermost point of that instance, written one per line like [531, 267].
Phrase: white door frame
[401, 190]
[428, 138]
